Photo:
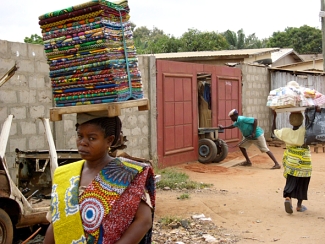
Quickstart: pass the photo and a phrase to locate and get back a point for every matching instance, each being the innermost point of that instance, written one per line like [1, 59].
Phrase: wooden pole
[29, 238]
[323, 32]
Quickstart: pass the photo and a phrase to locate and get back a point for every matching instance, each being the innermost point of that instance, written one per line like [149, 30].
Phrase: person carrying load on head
[296, 162]
[101, 199]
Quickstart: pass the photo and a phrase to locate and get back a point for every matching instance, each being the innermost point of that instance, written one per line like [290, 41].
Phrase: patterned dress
[106, 207]
[296, 163]
[296, 157]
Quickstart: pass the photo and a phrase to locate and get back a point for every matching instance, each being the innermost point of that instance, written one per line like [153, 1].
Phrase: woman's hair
[111, 126]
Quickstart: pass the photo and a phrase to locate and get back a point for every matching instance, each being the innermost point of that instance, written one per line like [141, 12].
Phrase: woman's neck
[98, 164]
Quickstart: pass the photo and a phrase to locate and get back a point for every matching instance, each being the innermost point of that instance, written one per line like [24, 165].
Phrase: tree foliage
[195, 40]
[154, 41]
[240, 41]
[34, 39]
[235, 40]
[303, 40]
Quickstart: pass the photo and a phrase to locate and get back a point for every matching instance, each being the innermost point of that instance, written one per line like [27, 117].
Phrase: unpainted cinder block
[37, 111]
[19, 112]
[18, 50]
[28, 128]
[7, 97]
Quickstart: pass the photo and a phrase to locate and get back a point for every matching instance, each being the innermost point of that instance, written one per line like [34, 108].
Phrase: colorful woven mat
[91, 54]
[120, 11]
[123, 5]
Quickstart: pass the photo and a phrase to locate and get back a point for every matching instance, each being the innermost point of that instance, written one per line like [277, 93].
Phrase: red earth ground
[248, 201]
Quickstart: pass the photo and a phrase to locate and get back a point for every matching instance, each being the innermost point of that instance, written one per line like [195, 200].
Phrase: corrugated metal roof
[288, 66]
[240, 52]
[293, 67]
[311, 56]
[284, 52]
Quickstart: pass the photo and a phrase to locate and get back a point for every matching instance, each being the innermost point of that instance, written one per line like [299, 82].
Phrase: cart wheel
[6, 228]
[222, 148]
[207, 150]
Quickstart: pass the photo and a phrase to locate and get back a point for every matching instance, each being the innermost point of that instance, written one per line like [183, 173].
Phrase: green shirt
[245, 125]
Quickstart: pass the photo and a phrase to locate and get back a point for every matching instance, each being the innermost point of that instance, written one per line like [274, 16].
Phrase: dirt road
[248, 201]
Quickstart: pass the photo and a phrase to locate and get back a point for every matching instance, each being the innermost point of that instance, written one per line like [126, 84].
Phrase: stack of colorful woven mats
[91, 54]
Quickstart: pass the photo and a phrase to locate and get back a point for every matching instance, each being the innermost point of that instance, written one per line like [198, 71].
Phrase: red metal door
[177, 112]
[177, 106]
[227, 94]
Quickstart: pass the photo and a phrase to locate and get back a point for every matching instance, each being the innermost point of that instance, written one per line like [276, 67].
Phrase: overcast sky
[19, 18]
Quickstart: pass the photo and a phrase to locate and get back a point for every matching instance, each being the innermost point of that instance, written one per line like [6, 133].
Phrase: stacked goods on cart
[91, 54]
[294, 95]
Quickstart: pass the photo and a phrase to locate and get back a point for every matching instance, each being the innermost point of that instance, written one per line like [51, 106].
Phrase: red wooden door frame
[177, 112]
[170, 149]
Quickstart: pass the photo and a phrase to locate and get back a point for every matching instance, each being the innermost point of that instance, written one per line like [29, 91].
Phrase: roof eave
[297, 71]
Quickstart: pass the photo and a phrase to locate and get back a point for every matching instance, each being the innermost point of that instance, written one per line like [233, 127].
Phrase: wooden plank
[235, 162]
[292, 109]
[8, 75]
[232, 163]
[113, 109]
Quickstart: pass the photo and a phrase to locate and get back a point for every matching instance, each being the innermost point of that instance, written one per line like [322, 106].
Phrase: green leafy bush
[174, 179]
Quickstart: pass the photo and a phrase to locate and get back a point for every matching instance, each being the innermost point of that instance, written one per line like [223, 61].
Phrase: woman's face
[91, 143]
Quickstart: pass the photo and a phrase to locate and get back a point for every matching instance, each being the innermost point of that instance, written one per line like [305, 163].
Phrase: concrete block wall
[255, 90]
[28, 96]
[136, 124]
[148, 69]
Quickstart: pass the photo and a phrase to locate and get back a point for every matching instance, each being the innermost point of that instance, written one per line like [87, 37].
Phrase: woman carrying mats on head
[296, 162]
[101, 199]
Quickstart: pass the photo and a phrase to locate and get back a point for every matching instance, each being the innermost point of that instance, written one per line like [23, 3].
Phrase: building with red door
[235, 79]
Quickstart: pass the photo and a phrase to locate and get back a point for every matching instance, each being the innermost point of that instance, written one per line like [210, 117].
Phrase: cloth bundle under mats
[91, 54]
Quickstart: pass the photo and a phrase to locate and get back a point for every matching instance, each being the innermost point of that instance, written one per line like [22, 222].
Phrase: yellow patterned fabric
[66, 218]
[102, 211]
[297, 161]
[296, 157]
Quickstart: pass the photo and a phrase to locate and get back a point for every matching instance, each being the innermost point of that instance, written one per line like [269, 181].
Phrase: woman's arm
[139, 227]
[49, 236]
